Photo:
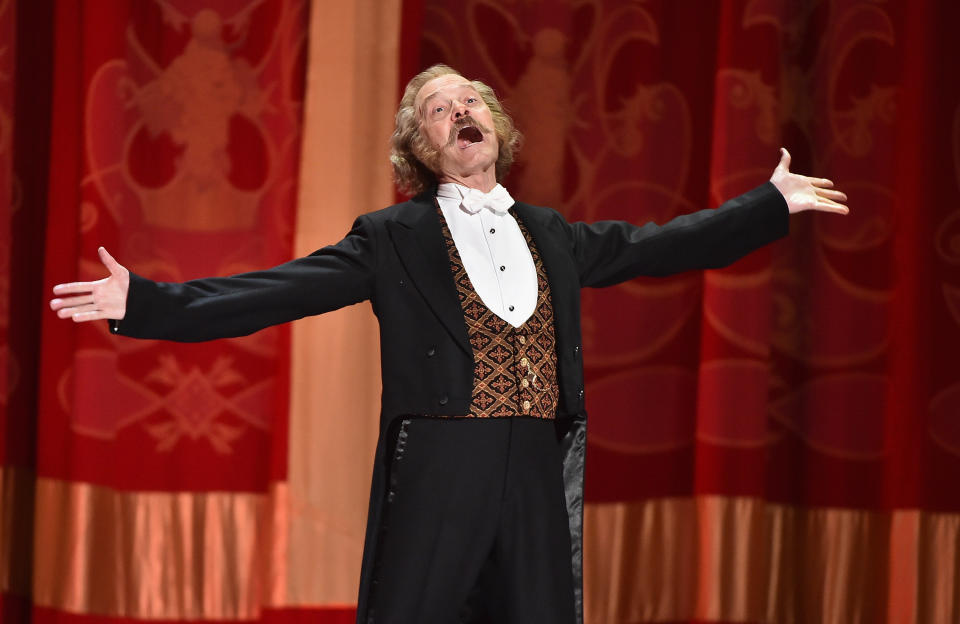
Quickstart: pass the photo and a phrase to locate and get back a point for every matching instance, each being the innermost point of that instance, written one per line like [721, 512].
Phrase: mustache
[462, 123]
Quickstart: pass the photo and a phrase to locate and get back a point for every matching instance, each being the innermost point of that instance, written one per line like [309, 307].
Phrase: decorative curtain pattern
[168, 131]
[170, 483]
[776, 441]
[773, 442]
[176, 145]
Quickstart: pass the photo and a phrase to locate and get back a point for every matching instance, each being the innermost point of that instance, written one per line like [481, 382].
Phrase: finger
[824, 200]
[784, 159]
[829, 206]
[74, 287]
[74, 310]
[96, 315]
[821, 182]
[71, 302]
[831, 194]
[112, 265]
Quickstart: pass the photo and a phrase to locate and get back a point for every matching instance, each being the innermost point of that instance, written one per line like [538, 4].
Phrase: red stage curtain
[153, 481]
[777, 441]
[774, 442]
[136, 474]
[25, 104]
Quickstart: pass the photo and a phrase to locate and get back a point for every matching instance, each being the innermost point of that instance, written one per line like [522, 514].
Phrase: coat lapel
[418, 240]
[561, 274]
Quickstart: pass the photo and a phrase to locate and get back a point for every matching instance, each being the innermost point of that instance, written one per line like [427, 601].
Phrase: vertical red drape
[163, 115]
[25, 105]
[169, 132]
[777, 440]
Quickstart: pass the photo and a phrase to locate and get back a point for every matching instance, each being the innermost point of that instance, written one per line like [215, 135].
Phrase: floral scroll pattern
[191, 136]
[786, 347]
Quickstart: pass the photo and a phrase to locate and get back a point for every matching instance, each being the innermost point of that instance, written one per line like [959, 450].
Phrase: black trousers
[475, 526]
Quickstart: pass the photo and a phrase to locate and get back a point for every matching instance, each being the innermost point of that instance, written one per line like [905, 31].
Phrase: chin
[475, 160]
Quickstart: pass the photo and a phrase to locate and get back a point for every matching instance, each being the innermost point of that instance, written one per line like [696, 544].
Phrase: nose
[459, 109]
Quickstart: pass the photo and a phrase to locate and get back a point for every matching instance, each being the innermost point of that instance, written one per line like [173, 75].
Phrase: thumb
[112, 265]
[784, 159]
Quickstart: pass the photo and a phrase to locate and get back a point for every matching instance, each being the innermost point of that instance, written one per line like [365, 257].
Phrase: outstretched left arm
[806, 193]
[609, 252]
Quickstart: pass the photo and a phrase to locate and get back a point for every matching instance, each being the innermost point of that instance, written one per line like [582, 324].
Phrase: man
[476, 506]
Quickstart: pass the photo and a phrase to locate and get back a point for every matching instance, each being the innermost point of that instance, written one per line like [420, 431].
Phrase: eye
[438, 109]
[471, 100]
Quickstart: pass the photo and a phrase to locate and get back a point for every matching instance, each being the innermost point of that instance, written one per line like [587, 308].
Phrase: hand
[803, 193]
[93, 301]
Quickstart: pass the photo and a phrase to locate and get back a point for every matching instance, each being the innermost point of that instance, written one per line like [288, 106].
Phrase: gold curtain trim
[157, 555]
[747, 560]
[220, 555]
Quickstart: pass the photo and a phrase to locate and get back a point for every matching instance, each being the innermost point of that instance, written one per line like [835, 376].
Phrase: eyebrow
[428, 98]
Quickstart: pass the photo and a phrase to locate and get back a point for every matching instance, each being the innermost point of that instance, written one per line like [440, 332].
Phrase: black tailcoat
[396, 258]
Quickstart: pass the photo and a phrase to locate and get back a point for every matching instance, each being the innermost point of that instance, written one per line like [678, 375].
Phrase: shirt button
[522, 339]
[431, 351]
[524, 382]
[526, 406]
[524, 361]
[443, 400]
[493, 230]
[503, 268]
[510, 308]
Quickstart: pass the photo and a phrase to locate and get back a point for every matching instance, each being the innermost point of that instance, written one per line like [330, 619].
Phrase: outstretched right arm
[223, 307]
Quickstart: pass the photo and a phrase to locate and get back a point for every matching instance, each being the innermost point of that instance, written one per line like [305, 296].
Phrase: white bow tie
[497, 200]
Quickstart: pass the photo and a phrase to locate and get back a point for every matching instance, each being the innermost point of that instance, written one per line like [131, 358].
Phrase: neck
[482, 181]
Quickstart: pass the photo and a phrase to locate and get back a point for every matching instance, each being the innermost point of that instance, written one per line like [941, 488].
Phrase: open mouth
[468, 135]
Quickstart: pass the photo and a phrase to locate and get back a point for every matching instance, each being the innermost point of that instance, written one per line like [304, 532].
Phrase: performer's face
[458, 126]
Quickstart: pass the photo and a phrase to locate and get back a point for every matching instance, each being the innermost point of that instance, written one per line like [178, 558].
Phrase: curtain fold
[713, 558]
[335, 390]
[25, 108]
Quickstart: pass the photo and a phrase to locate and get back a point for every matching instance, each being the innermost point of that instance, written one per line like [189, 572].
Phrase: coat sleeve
[610, 252]
[223, 307]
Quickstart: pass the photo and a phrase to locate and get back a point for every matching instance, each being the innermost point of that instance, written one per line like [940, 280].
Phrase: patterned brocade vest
[515, 368]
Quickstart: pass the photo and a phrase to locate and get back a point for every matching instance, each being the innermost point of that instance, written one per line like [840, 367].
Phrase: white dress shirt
[493, 250]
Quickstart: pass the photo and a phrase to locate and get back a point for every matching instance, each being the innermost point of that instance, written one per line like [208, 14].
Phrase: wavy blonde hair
[409, 150]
